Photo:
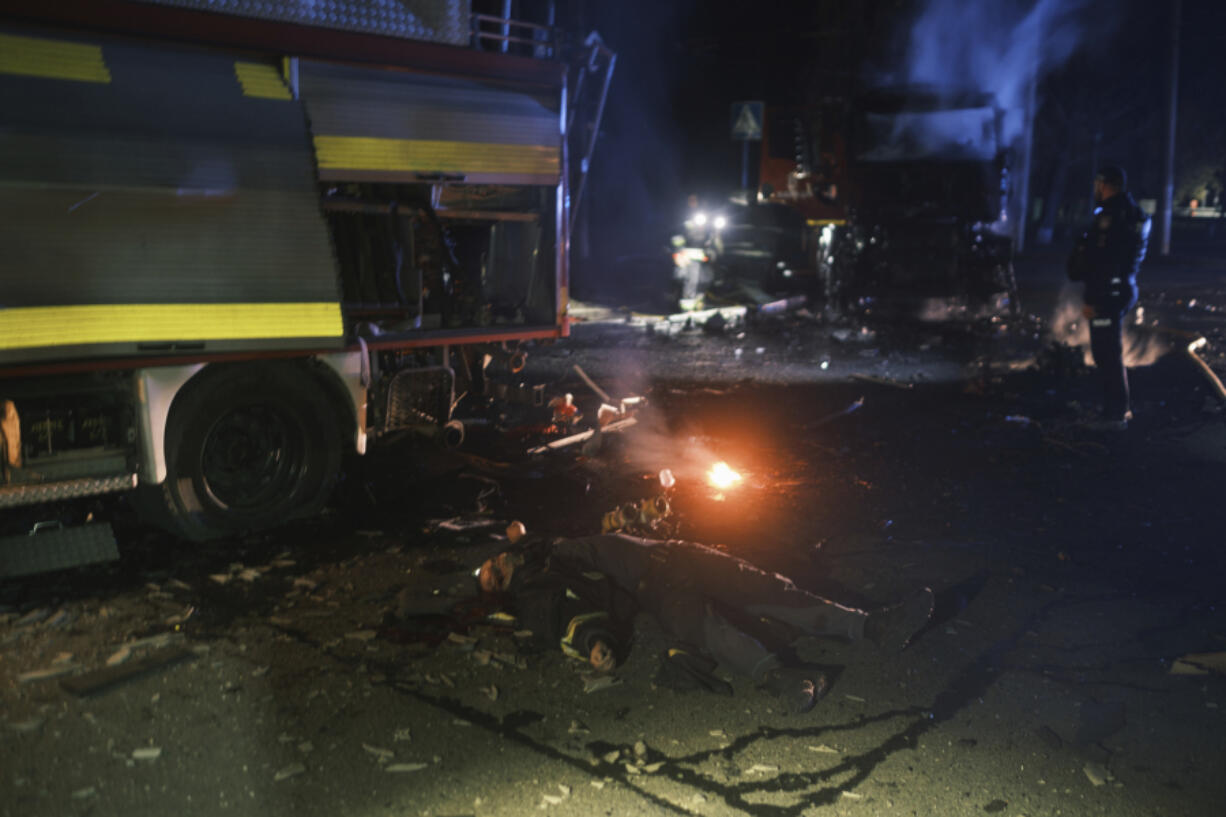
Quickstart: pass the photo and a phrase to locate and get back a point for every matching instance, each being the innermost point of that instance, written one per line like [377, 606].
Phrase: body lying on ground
[583, 593]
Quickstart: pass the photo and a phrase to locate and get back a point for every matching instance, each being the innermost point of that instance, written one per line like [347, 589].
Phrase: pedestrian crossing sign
[747, 121]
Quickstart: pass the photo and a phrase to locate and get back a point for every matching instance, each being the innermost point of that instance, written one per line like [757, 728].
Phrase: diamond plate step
[56, 549]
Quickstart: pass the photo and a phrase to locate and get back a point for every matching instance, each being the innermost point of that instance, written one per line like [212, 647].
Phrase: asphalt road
[295, 672]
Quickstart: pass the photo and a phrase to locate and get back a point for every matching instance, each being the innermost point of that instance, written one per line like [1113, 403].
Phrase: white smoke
[998, 46]
[1069, 327]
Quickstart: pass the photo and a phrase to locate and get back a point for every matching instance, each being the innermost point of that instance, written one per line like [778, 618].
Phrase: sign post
[746, 128]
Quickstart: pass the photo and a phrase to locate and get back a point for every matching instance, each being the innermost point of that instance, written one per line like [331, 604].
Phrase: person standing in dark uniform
[1107, 258]
[702, 597]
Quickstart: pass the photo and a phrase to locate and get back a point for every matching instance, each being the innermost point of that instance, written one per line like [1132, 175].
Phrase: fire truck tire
[249, 447]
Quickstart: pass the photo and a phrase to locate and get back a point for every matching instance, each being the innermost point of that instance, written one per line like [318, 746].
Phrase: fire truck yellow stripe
[429, 156]
[52, 59]
[259, 80]
[43, 326]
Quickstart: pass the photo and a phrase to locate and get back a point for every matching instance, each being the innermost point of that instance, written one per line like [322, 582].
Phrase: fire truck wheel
[251, 447]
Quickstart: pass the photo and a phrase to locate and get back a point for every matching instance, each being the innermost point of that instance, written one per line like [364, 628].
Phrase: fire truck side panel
[153, 199]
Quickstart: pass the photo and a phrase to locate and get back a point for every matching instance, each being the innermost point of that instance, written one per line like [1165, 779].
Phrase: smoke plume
[1141, 348]
[998, 46]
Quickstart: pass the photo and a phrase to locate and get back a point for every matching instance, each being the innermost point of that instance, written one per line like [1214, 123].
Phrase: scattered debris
[405, 767]
[461, 525]
[851, 795]
[403, 734]
[27, 726]
[119, 656]
[595, 683]
[147, 753]
[1097, 774]
[490, 692]
[1199, 663]
[578, 728]
[292, 770]
[381, 755]
[583, 436]
[100, 679]
[44, 674]
[762, 768]
[591, 384]
[361, 635]
[882, 381]
[82, 794]
[824, 749]
[461, 640]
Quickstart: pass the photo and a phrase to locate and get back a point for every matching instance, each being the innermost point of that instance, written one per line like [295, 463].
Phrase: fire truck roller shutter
[153, 199]
[397, 126]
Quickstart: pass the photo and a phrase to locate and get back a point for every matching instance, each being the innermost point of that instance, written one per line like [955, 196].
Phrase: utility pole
[1023, 184]
[1168, 179]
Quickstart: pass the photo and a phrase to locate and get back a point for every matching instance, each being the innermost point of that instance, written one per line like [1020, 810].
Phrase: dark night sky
[680, 64]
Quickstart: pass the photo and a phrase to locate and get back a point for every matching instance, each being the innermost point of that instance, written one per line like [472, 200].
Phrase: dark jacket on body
[1109, 253]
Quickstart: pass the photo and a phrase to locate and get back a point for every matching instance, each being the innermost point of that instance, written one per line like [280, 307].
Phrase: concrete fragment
[851, 795]
[1096, 774]
[549, 800]
[119, 656]
[762, 768]
[381, 755]
[595, 683]
[44, 674]
[652, 768]
[85, 793]
[147, 753]
[460, 640]
[405, 767]
[27, 726]
[565, 789]
[597, 784]
[286, 772]
[640, 749]
[632, 769]
[490, 692]
[403, 734]
[611, 757]
[361, 635]
[1199, 663]
[104, 677]
[823, 748]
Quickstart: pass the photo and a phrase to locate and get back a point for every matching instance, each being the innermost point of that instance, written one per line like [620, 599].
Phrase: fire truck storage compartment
[156, 199]
[441, 193]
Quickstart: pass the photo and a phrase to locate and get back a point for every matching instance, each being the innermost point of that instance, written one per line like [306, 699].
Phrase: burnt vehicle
[927, 184]
[744, 251]
[895, 200]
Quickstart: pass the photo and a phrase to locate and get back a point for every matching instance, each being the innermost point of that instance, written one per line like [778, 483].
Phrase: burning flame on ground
[722, 476]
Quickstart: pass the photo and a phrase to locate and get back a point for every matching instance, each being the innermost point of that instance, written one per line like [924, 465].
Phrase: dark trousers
[1107, 347]
[683, 585]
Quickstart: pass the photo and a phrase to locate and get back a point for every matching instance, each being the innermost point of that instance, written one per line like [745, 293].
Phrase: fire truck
[243, 238]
